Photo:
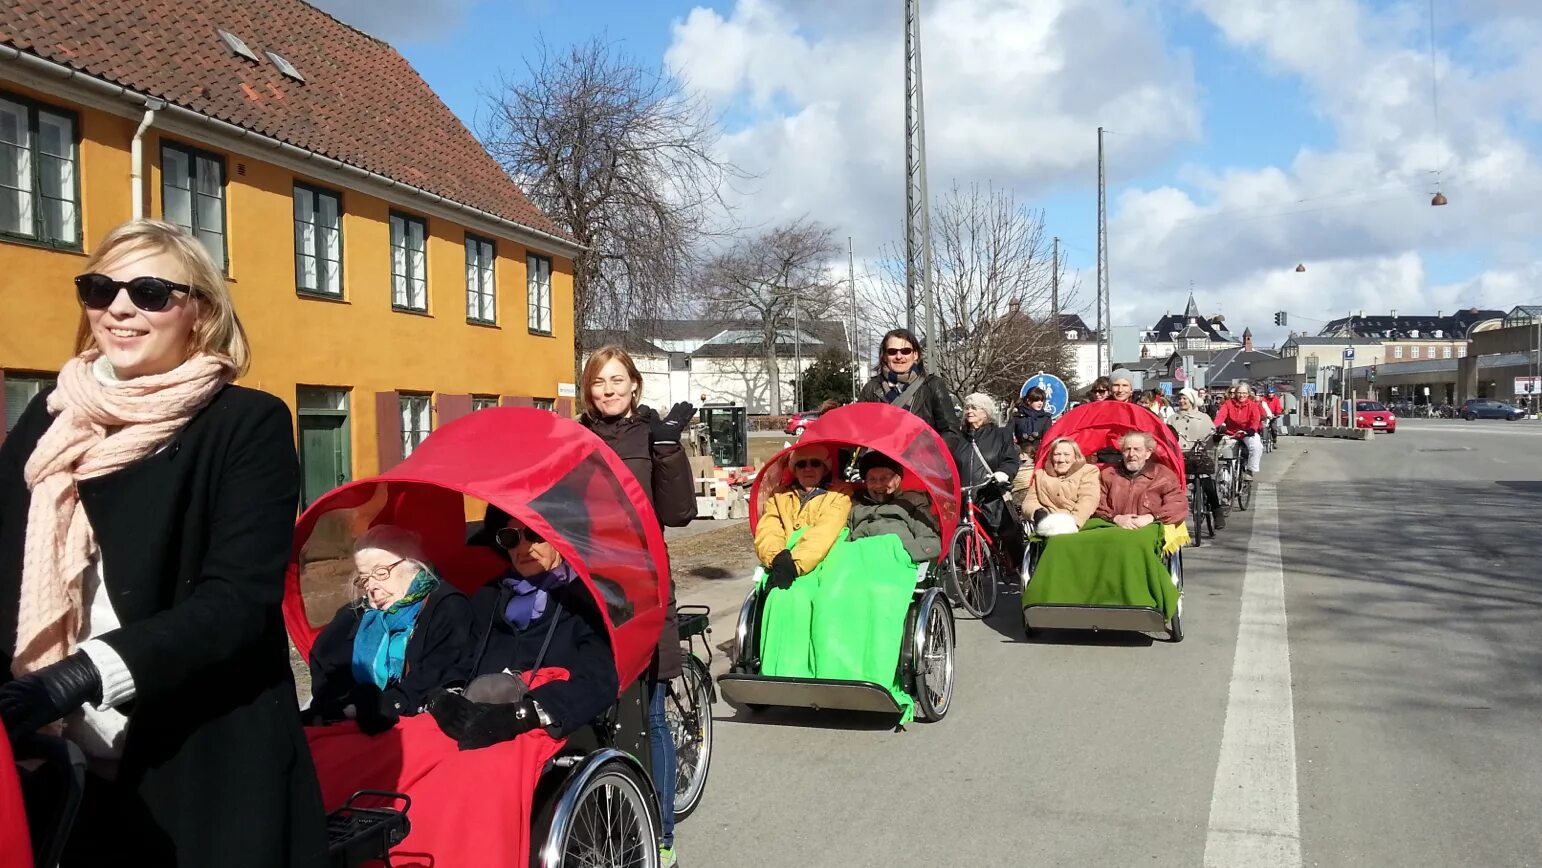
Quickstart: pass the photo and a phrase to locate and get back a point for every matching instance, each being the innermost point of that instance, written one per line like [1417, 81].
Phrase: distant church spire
[1192, 311]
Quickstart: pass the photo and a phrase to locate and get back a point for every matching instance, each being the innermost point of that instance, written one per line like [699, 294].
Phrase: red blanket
[468, 807]
[17, 851]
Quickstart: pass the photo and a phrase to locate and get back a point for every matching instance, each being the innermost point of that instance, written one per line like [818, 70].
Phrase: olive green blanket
[845, 619]
[1104, 565]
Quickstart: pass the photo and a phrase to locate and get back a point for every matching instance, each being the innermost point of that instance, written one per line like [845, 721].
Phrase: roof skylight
[237, 45]
[285, 66]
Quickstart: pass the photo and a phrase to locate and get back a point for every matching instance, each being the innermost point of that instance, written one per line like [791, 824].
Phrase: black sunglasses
[152, 294]
[898, 351]
[509, 537]
[808, 462]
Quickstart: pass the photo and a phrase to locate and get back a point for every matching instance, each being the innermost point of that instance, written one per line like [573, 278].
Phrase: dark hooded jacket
[1028, 427]
[664, 472]
[934, 402]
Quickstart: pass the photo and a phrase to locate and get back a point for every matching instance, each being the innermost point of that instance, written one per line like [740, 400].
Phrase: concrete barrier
[1337, 433]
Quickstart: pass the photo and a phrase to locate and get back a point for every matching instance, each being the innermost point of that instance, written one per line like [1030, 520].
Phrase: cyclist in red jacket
[1242, 417]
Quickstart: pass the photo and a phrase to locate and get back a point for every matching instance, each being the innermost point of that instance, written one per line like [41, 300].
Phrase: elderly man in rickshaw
[1117, 558]
[839, 620]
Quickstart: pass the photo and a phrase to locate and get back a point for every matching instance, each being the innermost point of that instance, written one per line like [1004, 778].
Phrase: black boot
[1219, 518]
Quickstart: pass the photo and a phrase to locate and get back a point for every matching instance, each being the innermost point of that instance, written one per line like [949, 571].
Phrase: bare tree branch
[622, 158]
[992, 281]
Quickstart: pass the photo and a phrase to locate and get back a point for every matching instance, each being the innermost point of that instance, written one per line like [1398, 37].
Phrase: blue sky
[1245, 135]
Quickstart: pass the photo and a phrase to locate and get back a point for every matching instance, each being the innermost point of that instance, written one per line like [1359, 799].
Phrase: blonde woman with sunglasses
[147, 510]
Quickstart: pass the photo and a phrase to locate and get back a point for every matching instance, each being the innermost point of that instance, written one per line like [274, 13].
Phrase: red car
[1373, 415]
[798, 421]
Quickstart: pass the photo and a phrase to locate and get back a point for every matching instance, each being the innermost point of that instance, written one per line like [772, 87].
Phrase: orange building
[390, 275]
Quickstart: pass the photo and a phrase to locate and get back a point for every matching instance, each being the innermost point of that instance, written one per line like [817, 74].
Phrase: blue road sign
[1055, 393]
[1349, 352]
[1167, 389]
[1308, 389]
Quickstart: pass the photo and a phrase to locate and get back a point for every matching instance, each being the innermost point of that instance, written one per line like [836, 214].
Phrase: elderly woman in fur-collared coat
[1060, 496]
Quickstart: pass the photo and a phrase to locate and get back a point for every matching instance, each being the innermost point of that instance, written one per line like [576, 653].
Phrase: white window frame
[417, 414]
[316, 242]
[538, 289]
[481, 280]
[46, 200]
[22, 388]
[409, 265]
[1445, 352]
[1397, 351]
[198, 190]
[1413, 352]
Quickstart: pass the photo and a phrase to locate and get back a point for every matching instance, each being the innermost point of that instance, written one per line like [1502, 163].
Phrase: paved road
[1359, 686]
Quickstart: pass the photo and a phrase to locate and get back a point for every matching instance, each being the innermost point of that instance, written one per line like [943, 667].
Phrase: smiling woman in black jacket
[408, 633]
[147, 512]
[903, 381]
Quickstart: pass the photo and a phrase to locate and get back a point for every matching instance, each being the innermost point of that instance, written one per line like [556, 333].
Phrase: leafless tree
[992, 277]
[620, 156]
[768, 281]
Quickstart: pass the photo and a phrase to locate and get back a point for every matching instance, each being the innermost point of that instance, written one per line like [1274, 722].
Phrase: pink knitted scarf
[99, 428]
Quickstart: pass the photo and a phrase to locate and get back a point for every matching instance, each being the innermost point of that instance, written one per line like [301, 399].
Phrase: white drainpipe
[137, 157]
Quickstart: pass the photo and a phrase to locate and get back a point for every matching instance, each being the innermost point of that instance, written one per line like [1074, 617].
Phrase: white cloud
[1015, 90]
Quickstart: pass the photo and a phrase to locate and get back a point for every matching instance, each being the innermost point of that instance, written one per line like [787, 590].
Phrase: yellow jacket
[824, 516]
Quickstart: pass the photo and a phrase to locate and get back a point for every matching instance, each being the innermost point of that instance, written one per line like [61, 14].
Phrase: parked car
[1373, 415]
[798, 421]
[1485, 408]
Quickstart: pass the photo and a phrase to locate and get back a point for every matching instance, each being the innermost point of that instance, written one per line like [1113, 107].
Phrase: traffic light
[1373, 373]
[1280, 317]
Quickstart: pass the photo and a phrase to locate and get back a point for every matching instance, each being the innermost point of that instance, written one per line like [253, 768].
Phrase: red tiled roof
[361, 103]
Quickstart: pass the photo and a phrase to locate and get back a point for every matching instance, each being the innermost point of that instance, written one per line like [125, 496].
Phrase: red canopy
[548, 472]
[1100, 424]
[899, 434]
[17, 852]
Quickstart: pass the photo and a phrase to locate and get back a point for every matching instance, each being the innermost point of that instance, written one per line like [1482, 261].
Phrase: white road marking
[1254, 814]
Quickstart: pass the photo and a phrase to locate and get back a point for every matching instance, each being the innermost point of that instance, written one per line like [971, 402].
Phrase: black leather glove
[39, 698]
[667, 430]
[476, 725]
[783, 570]
[374, 710]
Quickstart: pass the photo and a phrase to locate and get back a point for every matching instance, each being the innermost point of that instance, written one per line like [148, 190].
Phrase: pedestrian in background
[650, 447]
[902, 381]
[147, 510]
[1029, 422]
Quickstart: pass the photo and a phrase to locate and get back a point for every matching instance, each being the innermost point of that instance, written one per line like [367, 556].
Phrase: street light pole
[851, 280]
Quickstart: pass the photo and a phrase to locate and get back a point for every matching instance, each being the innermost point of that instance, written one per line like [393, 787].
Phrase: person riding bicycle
[987, 454]
[1241, 418]
[903, 381]
[1029, 422]
[1194, 430]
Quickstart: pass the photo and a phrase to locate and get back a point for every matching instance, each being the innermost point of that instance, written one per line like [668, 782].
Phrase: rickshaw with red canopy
[1097, 428]
[582, 800]
[925, 666]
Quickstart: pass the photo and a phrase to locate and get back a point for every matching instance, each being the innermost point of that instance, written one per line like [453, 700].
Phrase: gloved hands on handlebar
[476, 725]
[39, 698]
[782, 571]
[1002, 479]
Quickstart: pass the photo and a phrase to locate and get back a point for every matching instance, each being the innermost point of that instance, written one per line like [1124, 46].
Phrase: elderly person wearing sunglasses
[406, 634]
[536, 615]
[803, 519]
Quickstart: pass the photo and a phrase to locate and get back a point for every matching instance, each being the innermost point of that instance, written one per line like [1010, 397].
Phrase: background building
[390, 275]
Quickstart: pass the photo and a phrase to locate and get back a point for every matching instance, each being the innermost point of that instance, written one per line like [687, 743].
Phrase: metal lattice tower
[918, 221]
[1105, 313]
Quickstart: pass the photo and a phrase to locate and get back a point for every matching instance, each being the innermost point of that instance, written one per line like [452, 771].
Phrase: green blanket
[846, 619]
[1104, 565]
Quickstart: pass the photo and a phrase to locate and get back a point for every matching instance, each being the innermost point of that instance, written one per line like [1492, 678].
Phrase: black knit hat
[878, 459]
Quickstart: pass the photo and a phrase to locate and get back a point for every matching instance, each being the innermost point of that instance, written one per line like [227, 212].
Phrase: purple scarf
[530, 594]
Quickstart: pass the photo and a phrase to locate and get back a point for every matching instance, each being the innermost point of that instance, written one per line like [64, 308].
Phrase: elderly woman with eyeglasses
[537, 615]
[803, 519]
[407, 633]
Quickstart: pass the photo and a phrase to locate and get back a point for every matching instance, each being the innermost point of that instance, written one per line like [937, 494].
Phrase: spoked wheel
[1175, 626]
[610, 825]
[932, 660]
[1197, 512]
[972, 574]
[1244, 493]
[689, 713]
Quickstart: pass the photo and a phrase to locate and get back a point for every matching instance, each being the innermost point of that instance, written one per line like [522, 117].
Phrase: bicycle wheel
[1244, 493]
[972, 573]
[1196, 498]
[689, 714]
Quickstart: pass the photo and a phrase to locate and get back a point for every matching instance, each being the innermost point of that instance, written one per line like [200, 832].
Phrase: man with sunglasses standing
[902, 380]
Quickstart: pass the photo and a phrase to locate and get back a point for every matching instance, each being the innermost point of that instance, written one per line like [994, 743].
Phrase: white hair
[1149, 440]
[985, 404]
[395, 540]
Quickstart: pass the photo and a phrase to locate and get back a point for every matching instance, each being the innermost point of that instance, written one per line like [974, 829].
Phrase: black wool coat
[664, 472]
[438, 652]
[194, 542]
[935, 403]
[579, 643]
[1000, 453]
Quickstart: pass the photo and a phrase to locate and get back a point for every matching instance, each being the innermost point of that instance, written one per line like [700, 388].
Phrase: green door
[323, 453]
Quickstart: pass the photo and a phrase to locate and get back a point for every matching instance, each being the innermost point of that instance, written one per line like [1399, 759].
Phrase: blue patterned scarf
[380, 646]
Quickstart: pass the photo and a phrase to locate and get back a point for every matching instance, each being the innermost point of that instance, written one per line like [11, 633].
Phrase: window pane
[174, 169]
[210, 213]
[304, 205]
[329, 210]
[210, 177]
[178, 205]
[305, 267]
[332, 277]
[418, 293]
[213, 242]
[19, 392]
[15, 170]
